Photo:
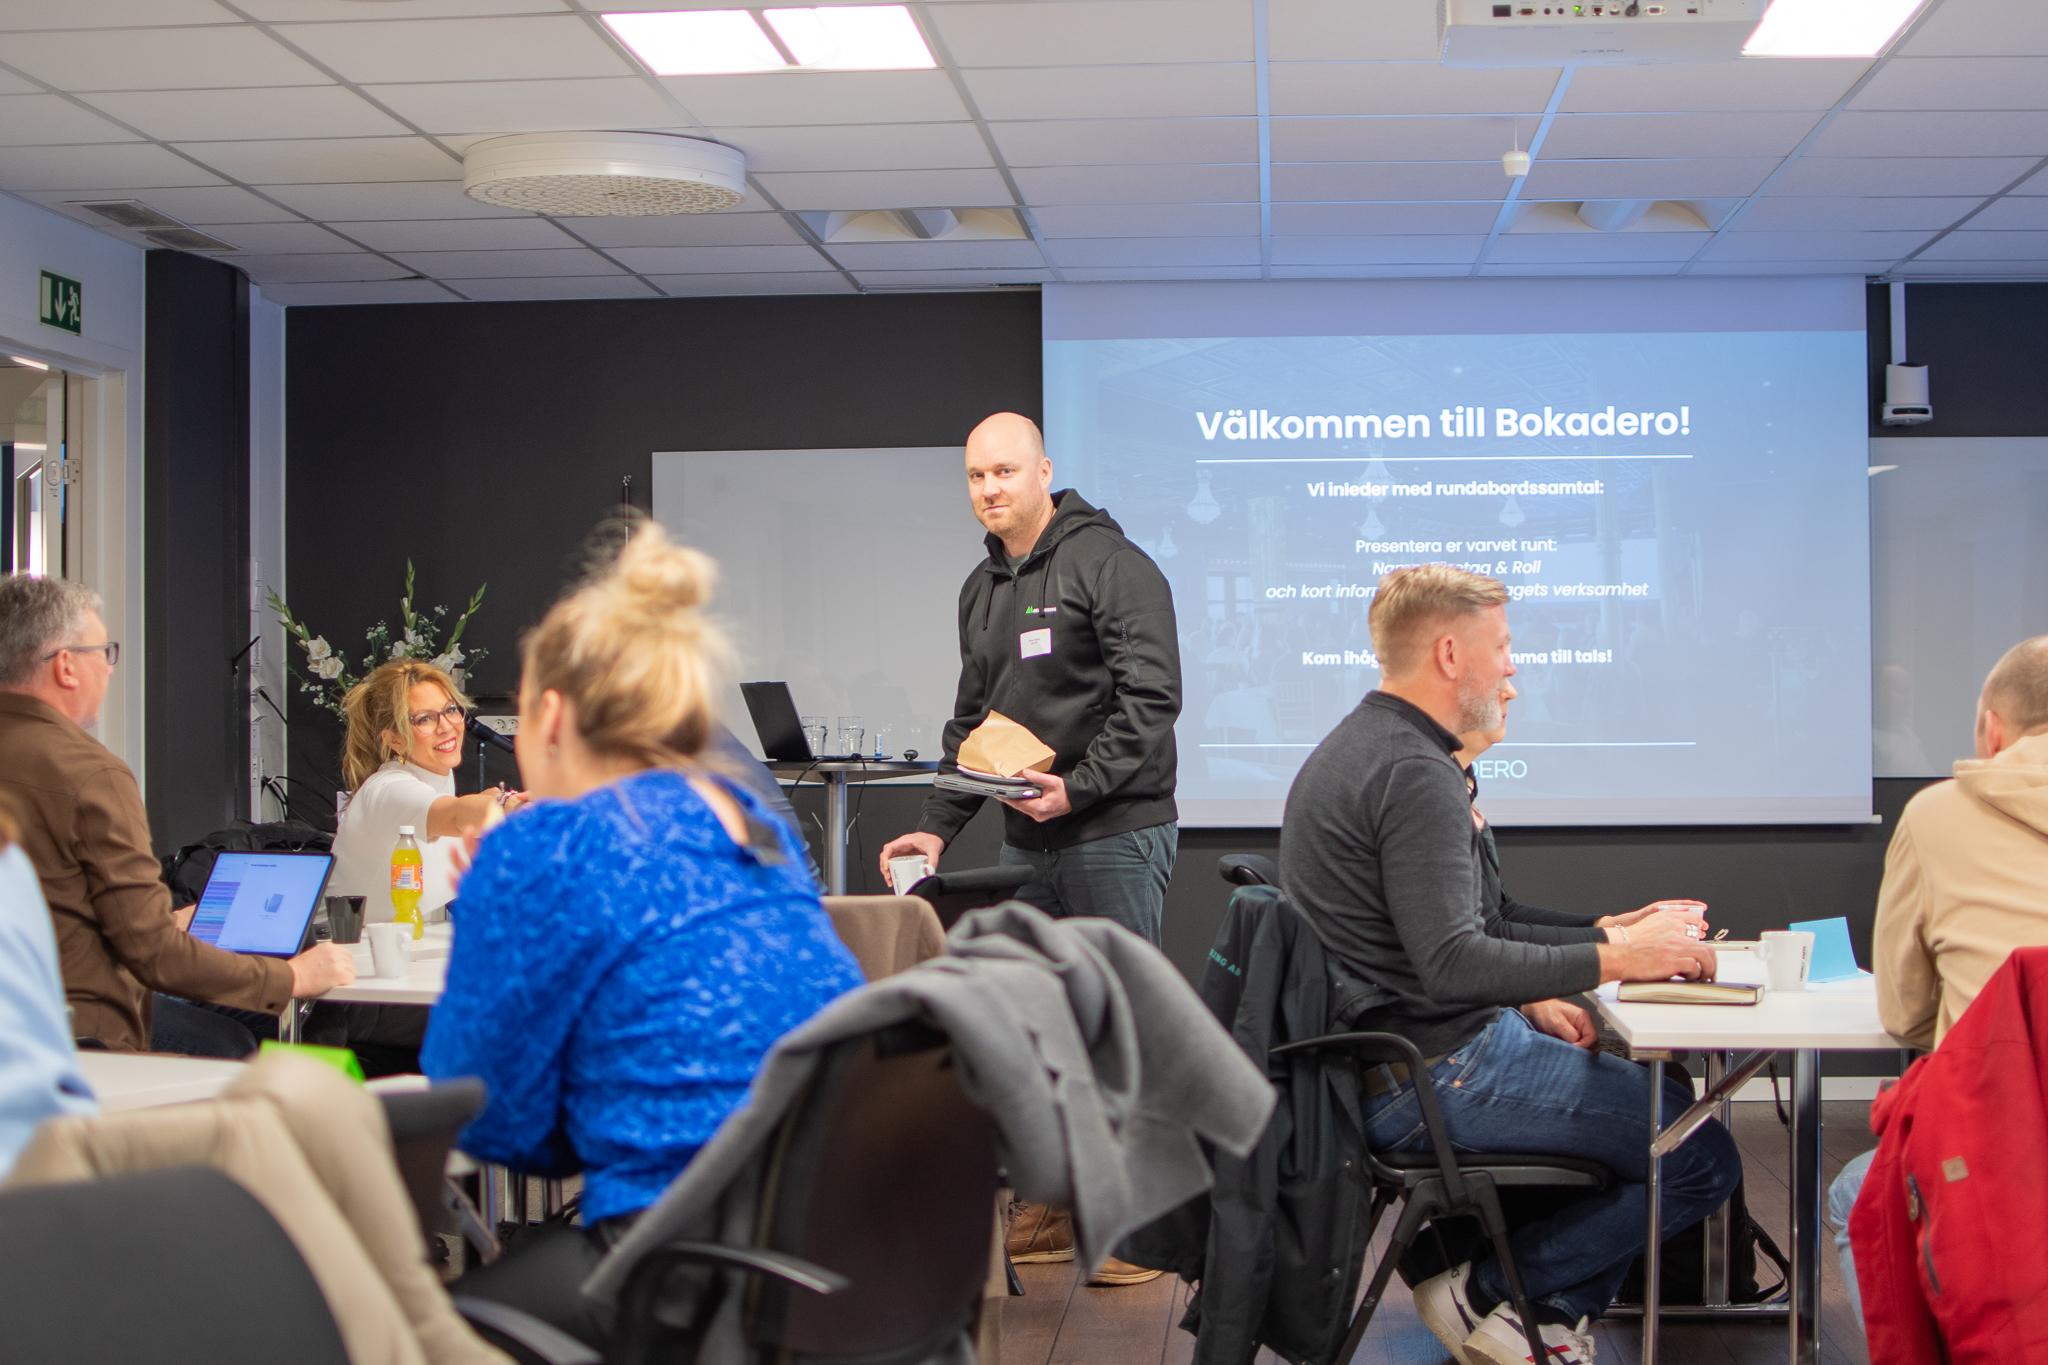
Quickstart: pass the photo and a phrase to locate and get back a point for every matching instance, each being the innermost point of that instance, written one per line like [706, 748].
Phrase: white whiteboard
[840, 573]
[1959, 574]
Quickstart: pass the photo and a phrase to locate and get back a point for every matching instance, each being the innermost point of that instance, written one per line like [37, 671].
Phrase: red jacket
[1951, 1229]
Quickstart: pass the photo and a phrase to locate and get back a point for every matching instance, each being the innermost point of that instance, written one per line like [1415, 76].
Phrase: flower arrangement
[326, 677]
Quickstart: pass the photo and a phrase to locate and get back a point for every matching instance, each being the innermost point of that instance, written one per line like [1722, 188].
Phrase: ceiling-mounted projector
[604, 175]
[1542, 33]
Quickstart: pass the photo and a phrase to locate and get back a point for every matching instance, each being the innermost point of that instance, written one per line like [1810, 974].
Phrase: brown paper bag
[1001, 746]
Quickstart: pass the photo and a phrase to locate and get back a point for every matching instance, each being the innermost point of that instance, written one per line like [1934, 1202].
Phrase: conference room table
[838, 774]
[1826, 1017]
[144, 1080]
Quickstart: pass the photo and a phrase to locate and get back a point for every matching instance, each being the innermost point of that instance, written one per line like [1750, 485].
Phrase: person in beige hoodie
[1963, 883]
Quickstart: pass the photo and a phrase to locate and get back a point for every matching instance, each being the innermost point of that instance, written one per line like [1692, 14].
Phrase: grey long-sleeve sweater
[1377, 848]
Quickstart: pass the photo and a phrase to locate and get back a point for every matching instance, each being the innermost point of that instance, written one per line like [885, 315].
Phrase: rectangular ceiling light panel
[825, 38]
[1829, 28]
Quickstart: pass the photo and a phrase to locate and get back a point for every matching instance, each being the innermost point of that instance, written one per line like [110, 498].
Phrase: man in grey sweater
[1379, 849]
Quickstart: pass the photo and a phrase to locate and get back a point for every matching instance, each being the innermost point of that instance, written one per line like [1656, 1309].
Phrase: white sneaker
[1445, 1304]
[1500, 1341]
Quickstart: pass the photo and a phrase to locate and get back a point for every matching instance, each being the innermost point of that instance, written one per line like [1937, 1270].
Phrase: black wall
[1986, 349]
[195, 457]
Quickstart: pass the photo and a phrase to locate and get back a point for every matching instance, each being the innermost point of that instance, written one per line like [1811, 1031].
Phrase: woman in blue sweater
[629, 948]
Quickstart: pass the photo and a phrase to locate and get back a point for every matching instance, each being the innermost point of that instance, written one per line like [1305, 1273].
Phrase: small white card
[1033, 643]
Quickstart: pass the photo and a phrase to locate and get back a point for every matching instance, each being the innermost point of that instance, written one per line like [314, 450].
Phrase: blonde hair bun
[653, 577]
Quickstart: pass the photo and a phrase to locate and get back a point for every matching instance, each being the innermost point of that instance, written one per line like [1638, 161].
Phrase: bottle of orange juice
[408, 882]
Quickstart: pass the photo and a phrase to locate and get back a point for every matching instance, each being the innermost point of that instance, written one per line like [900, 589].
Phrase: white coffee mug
[1787, 955]
[390, 948]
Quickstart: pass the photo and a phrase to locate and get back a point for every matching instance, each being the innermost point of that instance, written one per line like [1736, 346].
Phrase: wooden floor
[1060, 1321]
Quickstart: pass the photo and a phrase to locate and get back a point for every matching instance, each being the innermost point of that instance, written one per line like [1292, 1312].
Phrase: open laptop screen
[261, 902]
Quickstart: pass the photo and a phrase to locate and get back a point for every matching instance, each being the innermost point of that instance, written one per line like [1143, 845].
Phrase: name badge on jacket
[1033, 643]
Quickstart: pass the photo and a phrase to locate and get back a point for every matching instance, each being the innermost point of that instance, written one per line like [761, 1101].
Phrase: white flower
[448, 662]
[399, 651]
[317, 649]
[328, 668]
[412, 637]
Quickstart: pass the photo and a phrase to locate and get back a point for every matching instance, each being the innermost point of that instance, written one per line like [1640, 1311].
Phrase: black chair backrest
[953, 894]
[170, 1266]
[424, 1126]
[885, 1173]
[1248, 869]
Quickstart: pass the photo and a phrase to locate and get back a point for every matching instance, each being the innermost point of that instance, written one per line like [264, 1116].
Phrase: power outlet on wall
[507, 726]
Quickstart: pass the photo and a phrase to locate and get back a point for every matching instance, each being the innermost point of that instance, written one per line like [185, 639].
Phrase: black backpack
[186, 871]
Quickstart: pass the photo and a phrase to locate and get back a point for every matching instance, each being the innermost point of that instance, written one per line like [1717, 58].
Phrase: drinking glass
[817, 730]
[851, 731]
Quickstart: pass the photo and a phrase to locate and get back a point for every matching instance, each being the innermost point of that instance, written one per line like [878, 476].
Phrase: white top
[398, 793]
[1839, 1016]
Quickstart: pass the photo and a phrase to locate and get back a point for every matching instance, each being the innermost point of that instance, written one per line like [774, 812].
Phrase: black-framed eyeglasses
[452, 713]
[112, 649]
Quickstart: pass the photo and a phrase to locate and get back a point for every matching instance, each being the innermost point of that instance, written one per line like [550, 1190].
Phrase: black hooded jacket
[1103, 689]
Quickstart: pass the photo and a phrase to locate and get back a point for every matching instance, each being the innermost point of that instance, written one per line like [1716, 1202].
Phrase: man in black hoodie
[1067, 628]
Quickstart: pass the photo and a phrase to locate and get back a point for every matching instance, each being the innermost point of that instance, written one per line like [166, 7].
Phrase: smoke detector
[604, 175]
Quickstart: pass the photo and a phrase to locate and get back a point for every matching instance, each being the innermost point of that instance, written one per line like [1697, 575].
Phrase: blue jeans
[1842, 1198]
[1119, 877]
[1515, 1089]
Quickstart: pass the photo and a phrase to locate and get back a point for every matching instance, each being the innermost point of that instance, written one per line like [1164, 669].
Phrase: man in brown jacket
[84, 827]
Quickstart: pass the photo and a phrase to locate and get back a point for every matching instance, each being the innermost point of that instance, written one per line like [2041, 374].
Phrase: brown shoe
[1113, 1273]
[1039, 1233]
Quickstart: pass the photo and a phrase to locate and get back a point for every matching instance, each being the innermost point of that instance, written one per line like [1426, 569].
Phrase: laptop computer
[261, 903]
[775, 721]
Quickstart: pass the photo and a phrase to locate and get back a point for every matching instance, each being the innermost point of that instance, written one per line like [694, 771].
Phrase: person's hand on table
[1657, 961]
[907, 845]
[320, 969]
[1563, 1019]
[1659, 921]
[1051, 801]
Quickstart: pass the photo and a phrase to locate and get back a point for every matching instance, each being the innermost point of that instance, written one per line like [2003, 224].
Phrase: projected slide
[1670, 478]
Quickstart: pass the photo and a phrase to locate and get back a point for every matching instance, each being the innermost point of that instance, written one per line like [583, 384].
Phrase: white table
[426, 976]
[1837, 1017]
[836, 774]
[142, 1080]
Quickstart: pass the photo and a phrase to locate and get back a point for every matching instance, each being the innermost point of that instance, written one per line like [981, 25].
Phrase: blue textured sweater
[620, 969]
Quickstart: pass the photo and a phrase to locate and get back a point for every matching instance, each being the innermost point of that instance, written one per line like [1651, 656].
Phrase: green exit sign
[63, 303]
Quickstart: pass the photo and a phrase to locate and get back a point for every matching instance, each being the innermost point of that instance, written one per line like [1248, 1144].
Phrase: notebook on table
[1688, 993]
[261, 903]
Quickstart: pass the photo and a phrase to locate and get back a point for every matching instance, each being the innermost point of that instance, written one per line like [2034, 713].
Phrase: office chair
[1441, 1183]
[953, 894]
[424, 1126]
[1248, 869]
[877, 1208]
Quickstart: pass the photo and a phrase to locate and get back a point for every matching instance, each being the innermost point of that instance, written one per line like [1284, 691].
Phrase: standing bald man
[1068, 629]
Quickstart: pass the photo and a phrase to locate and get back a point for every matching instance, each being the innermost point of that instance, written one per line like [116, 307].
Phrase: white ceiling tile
[1710, 87]
[284, 11]
[48, 120]
[327, 161]
[312, 268]
[1376, 250]
[459, 234]
[1788, 267]
[1690, 215]
[2013, 214]
[1138, 184]
[1339, 88]
[1444, 138]
[492, 265]
[1414, 180]
[1222, 89]
[1529, 269]
[200, 206]
[1696, 178]
[280, 238]
[572, 287]
[132, 166]
[1345, 30]
[1802, 213]
[1955, 83]
[1993, 133]
[42, 14]
[1975, 270]
[697, 286]
[1354, 220]
[528, 106]
[859, 256]
[1989, 246]
[1127, 142]
[1918, 176]
[2036, 183]
[950, 279]
[504, 49]
[1575, 136]
[1987, 28]
[1087, 273]
[381, 291]
[709, 260]
[313, 111]
[1057, 32]
[784, 97]
[11, 84]
[1147, 220]
[861, 147]
[886, 189]
[1154, 251]
[159, 59]
[1370, 272]
[691, 229]
[1814, 246]
[1590, 247]
[375, 202]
